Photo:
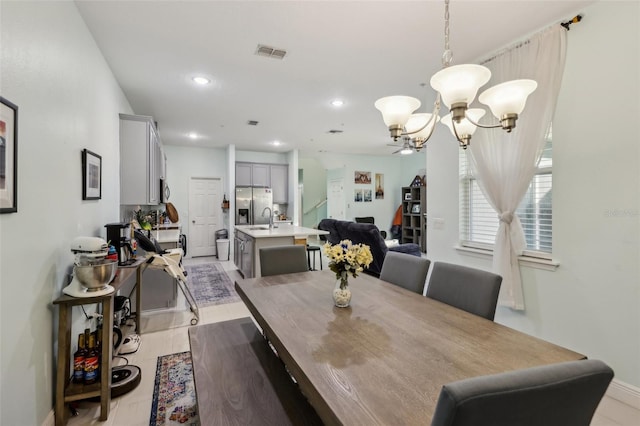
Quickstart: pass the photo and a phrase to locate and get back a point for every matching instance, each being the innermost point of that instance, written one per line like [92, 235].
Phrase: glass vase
[342, 293]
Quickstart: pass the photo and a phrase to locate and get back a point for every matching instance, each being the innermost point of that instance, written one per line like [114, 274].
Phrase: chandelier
[456, 87]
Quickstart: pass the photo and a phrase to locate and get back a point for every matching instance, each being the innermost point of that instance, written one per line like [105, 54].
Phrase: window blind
[479, 221]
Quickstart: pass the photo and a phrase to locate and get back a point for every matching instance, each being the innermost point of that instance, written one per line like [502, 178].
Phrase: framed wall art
[91, 175]
[361, 177]
[357, 195]
[379, 186]
[367, 195]
[8, 156]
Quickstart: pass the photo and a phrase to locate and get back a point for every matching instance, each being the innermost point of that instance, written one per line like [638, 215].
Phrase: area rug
[174, 396]
[210, 285]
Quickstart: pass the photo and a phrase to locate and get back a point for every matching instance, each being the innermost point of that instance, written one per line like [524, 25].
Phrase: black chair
[564, 394]
[405, 270]
[315, 250]
[370, 219]
[472, 290]
[282, 260]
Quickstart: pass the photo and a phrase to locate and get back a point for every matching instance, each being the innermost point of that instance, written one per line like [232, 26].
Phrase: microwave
[165, 192]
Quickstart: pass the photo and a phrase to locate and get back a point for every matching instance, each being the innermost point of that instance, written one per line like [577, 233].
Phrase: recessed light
[276, 143]
[337, 102]
[193, 135]
[201, 80]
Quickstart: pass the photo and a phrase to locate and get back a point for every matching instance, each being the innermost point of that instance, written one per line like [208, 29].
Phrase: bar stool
[314, 250]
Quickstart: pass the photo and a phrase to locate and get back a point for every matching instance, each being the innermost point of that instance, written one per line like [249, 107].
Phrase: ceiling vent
[252, 123]
[270, 52]
[334, 132]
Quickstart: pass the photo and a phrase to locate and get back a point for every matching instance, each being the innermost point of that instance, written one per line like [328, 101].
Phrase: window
[479, 222]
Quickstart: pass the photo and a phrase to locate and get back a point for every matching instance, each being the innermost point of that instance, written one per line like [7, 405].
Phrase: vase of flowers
[346, 259]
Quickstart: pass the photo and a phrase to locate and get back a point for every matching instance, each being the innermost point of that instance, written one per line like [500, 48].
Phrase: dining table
[384, 359]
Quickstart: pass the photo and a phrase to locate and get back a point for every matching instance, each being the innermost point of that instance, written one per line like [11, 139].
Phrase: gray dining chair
[405, 270]
[563, 394]
[469, 289]
[283, 260]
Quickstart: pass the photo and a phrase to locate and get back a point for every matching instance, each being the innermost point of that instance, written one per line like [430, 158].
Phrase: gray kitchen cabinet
[243, 174]
[279, 183]
[260, 175]
[253, 174]
[141, 160]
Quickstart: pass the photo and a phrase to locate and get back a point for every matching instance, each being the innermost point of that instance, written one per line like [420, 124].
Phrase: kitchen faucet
[271, 225]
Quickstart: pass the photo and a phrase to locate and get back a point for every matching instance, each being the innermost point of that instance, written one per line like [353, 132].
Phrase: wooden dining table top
[384, 359]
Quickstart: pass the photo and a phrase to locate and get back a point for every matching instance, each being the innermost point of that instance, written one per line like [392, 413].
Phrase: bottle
[78, 360]
[98, 334]
[91, 366]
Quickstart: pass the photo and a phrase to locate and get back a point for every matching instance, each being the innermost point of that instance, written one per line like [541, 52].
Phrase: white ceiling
[357, 51]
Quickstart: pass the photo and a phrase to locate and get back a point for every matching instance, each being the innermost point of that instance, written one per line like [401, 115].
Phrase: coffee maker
[118, 236]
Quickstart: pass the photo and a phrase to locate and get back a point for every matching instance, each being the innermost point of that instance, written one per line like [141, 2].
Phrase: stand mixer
[92, 273]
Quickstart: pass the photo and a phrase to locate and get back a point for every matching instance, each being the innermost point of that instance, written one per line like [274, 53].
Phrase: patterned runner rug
[210, 285]
[174, 396]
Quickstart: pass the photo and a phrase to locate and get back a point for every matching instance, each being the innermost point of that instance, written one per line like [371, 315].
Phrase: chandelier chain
[447, 55]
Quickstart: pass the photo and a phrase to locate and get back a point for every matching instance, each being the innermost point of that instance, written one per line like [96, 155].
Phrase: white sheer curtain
[504, 163]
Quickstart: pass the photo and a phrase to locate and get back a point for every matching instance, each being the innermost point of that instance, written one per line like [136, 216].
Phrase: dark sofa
[364, 233]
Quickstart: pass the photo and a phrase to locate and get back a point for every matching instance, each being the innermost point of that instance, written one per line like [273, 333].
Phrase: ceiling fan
[409, 146]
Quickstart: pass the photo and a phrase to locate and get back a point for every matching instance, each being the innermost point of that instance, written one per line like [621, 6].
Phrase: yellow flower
[348, 257]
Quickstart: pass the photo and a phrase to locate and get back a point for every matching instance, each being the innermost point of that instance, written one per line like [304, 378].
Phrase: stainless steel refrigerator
[251, 203]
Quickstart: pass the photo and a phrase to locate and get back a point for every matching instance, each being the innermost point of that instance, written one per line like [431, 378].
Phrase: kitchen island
[249, 239]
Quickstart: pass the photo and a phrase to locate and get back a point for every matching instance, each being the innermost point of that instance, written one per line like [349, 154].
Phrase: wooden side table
[66, 390]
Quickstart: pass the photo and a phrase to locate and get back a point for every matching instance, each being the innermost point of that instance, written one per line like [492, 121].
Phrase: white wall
[314, 179]
[591, 303]
[68, 100]
[262, 157]
[184, 163]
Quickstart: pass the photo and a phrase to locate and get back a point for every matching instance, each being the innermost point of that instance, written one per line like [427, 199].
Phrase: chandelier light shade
[508, 98]
[460, 83]
[417, 125]
[457, 87]
[396, 111]
[465, 129]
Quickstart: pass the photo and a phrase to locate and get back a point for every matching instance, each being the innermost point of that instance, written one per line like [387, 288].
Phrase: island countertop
[283, 230]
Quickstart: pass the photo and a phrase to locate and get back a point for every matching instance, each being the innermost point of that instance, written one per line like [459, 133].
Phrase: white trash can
[222, 247]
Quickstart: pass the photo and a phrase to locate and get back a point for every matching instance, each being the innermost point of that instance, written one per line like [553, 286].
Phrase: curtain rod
[565, 25]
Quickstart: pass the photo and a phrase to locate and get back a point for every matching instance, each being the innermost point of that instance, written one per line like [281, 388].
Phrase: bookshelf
[414, 208]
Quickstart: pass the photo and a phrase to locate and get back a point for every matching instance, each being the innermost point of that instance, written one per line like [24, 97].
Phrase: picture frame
[361, 178]
[8, 156]
[415, 209]
[91, 175]
[367, 195]
[407, 196]
[417, 181]
[358, 195]
[379, 186]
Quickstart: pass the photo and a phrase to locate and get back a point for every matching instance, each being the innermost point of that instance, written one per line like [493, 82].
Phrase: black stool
[314, 249]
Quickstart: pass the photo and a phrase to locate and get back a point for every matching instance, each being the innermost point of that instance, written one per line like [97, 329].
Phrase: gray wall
[591, 303]
[68, 100]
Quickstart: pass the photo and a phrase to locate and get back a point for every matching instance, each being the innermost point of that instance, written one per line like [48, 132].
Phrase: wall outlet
[438, 223]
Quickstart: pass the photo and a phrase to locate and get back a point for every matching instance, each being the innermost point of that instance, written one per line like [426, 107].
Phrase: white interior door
[205, 215]
[335, 199]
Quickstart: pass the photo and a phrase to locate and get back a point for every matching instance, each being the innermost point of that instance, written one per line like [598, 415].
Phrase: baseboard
[624, 393]
[50, 420]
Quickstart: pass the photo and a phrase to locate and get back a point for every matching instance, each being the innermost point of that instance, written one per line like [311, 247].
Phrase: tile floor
[166, 333]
